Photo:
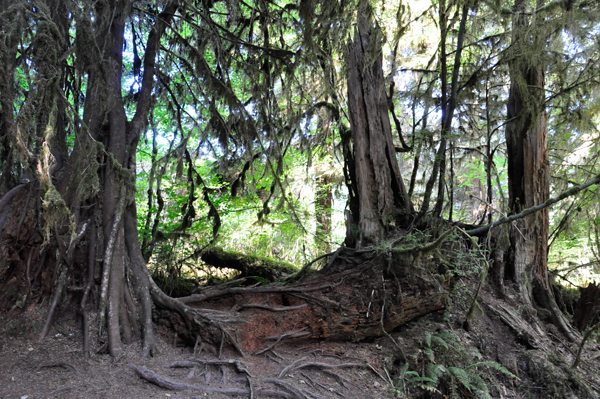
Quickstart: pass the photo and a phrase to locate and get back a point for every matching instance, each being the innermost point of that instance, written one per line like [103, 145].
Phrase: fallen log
[352, 301]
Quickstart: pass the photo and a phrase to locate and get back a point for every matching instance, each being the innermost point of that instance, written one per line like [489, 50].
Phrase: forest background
[138, 134]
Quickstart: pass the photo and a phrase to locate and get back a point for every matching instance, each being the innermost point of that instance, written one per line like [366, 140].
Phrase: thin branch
[534, 209]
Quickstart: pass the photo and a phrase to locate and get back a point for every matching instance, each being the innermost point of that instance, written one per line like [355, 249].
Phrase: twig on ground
[64, 365]
[271, 358]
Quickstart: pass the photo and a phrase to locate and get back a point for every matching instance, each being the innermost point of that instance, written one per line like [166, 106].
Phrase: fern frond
[428, 339]
[461, 376]
[429, 353]
[416, 381]
[403, 371]
[495, 366]
[478, 384]
[434, 371]
[430, 389]
[440, 341]
[482, 394]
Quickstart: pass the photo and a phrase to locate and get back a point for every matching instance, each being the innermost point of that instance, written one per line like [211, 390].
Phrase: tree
[380, 191]
[528, 165]
[238, 83]
[70, 133]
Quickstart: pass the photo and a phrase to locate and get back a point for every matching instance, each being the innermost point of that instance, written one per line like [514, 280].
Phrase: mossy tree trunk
[86, 195]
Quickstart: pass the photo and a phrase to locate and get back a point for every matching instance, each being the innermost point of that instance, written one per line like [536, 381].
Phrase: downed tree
[361, 296]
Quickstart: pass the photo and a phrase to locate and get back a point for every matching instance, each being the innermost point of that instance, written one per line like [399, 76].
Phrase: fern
[430, 389]
[429, 353]
[495, 366]
[461, 375]
[428, 338]
[440, 341]
[434, 371]
[436, 376]
[479, 386]
[403, 371]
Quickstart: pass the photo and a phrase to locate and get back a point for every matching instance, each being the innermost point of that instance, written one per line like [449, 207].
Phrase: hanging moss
[55, 209]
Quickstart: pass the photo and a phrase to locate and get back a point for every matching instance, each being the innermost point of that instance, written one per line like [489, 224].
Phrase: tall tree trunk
[382, 196]
[528, 168]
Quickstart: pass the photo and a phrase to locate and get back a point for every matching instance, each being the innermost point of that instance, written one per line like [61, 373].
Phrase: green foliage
[442, 360]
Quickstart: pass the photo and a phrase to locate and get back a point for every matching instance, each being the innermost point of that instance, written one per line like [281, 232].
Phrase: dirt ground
[56, 368]
[540, 362]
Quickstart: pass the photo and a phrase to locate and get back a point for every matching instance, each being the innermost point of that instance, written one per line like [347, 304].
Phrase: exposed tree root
[344, 301]
[166, 383]
[196, 362]
[291, 334]
[297, 365]
[300, 394]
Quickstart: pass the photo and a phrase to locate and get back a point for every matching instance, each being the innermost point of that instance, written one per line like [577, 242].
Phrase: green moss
[55, 209]
[249, 265]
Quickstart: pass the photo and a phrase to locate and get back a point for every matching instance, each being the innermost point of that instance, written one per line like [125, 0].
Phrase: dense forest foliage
[151, 149]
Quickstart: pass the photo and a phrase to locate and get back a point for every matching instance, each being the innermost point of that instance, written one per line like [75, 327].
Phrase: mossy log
[248, 265]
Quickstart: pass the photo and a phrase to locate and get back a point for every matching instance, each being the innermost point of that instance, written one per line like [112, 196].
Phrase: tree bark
[528, 168]
[382, 196]
[323, 209]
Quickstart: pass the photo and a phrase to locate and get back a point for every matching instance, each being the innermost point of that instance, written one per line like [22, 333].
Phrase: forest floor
[56, 368]
[514, 354]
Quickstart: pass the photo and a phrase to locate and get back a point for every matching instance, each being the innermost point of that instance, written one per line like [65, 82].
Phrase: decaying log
[346, 303]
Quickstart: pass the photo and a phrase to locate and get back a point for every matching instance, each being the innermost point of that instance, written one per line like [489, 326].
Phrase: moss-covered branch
[249, 265]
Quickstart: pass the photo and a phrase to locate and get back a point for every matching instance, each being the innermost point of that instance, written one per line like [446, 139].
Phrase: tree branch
[534, 209]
